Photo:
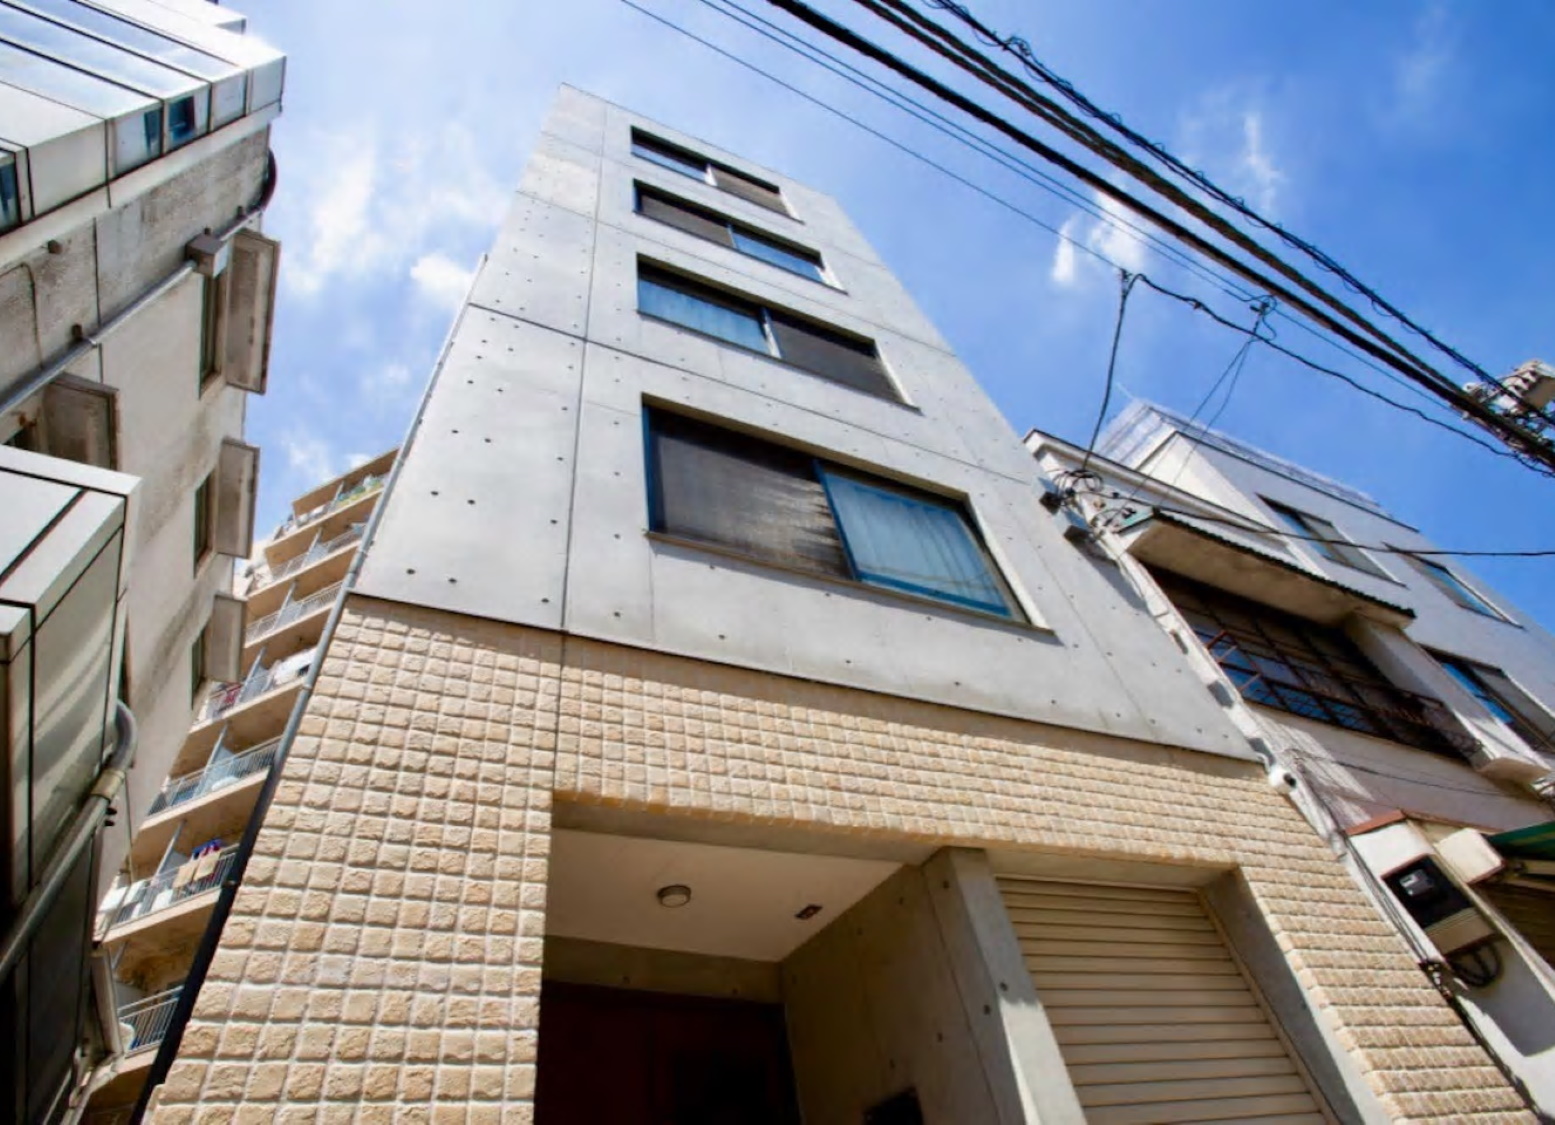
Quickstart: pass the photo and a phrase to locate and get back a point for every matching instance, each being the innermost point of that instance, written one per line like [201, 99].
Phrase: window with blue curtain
[669, 157]
[700, 309]
[781, 506]
[714, 227]
[794, 261]
[912, 541]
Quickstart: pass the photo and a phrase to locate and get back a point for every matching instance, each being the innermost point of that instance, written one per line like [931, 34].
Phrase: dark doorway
[611, 1056]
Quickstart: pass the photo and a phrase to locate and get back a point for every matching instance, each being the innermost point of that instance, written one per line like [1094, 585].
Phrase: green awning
[1534, 842]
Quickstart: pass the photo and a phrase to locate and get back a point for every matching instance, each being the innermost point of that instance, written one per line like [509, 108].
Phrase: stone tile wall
[383, 959]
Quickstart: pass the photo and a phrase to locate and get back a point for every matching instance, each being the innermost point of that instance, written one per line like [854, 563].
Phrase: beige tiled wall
[383, 959]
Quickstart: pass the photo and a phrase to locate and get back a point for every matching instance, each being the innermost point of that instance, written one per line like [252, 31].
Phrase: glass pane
[912, 543]
[685, 164]
[692, 220]
[1456, 590]
[781, 256]
[134, 37]
[687, 306]
[65, 84]
[764, 195]
[10, 195]
[831, 355]
[93, 55]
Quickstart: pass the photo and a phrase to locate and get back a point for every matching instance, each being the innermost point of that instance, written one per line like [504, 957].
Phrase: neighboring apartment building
[720, 730]
[154, 918]
[1414, 706]
[135, 312]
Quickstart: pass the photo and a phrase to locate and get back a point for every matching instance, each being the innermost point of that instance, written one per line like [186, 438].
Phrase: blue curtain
[671, 161]
[777, 255]
[737, 326]
[912, 544]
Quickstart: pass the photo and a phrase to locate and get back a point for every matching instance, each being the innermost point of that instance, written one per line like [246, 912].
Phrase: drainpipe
[30, 385]
[83, 830]
[221, 910]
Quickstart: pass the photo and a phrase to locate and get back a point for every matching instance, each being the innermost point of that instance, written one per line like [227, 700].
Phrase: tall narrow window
[204, 523]
[197, 663]
[10, 193]
[1501, 698]
[796, 340]
[778, 505]
[210, 329]
[1453, 586]
[1325, 538]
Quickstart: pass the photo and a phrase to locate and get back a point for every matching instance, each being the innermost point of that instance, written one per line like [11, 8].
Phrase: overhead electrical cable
[1125, 287]
[1384, 349]
[1021, 49]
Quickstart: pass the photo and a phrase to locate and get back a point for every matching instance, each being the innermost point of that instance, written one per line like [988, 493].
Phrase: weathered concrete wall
[385, 949]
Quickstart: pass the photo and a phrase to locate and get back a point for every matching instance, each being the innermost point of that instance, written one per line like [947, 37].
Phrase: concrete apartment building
[152, 921]
[135, 312]
[719, 728]
[1415, 707]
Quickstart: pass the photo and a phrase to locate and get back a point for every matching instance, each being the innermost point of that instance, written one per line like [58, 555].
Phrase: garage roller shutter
[1531, 912]
[1153, 1016]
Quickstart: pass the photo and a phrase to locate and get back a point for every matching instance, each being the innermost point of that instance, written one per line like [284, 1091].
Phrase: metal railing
[143, 1023]
[290, 612]
[247, 763]
[265, 575]
[169, 888]
[350, 496]
[224, 697]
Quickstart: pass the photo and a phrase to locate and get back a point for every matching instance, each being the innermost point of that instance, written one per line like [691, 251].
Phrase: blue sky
[1409, 140]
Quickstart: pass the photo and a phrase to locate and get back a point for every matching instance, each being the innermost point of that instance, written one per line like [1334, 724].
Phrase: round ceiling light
[674, 895]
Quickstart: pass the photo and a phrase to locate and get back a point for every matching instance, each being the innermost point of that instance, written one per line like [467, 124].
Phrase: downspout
[19, 392]
[83, 830]
[221, 910]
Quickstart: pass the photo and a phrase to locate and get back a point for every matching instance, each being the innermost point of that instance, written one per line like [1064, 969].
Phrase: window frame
[1323, 676]
[820, 468]
[204, 532]
[1455, 589]
[642, 138]
[1466, 674]
[1321, 528]
[212, 325]
[692, 286]
[736, 229]
[199, 660]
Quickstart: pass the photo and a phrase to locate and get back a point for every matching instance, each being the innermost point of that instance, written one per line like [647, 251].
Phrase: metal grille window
[1307, 669]
[1500, 697]
[783, 506]
[1453, 586]
[698, 167]
[1326, 538]
[726, 232]
[802, 343]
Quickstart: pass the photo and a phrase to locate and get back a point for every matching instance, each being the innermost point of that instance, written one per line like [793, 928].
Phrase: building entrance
[643, 1058]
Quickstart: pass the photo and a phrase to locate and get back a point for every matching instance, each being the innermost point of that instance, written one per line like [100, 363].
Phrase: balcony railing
[350, 496]
[144, 1023]
[264, 575]
[224, 697]
[290, 612]
[213, 777]
[171, 887]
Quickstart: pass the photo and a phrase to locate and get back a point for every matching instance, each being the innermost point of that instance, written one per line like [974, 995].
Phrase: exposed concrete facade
[524, 655]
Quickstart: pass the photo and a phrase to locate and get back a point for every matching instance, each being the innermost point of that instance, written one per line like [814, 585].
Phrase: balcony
[143, 1023]
[223, 699]
[291, 611]
[362, 488]
[167, 889]
[248, 763]
[265, 575]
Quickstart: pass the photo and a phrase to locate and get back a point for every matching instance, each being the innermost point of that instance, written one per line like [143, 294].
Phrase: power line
[1383, 347]
[1272, 533]
[1125, 287]
[1081, 245]
[1021, 49]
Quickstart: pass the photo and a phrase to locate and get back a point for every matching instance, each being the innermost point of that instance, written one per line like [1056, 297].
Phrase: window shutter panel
[685, 218]
[849, 362]
[746, 188]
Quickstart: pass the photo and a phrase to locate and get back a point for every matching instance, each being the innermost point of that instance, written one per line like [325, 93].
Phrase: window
[1495, 690]
[716, 228]
[780, 505]
[197, 658]
[204, 525]
[210, 330]
[1337, 547]
[688, 163]
[10, 193]
[1451, 585]
[1295, 665]
[803, 343]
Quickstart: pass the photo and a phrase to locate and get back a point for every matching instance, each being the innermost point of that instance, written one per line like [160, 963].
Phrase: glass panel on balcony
[143, 1023]
[291, 611]
[196, 876]
[217, 775]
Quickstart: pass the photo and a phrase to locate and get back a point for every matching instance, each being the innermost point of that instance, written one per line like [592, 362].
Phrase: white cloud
[310, 456]
[1107, 236]
[441, 280]
[368, 210]
[1224, 136]
[1419, 71]
[1066, 266]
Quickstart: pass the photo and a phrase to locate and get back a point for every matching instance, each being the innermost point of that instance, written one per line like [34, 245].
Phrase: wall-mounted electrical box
[1444, 912]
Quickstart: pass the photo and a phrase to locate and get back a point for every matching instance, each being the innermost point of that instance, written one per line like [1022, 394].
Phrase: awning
[1178, 544]
[1535, 842]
